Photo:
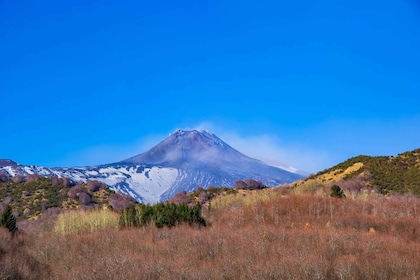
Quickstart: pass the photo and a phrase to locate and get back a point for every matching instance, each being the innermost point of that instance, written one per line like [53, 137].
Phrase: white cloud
[271, 149]
[267, 147]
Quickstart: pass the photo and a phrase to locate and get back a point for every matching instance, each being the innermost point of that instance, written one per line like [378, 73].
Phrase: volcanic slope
[182, 161]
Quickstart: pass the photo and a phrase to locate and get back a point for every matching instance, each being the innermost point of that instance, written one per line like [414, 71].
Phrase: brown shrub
[16, 261]
[204, 197]
[120, 201]
[94, 185]
[64, 191]
[64, 181]
[32, 178]
[279, 237]
[249, 184]
[67, 182]
[85, 198]
[18, 179]
[240, 184]
[4, 178]
[181, 197]
[75, 191]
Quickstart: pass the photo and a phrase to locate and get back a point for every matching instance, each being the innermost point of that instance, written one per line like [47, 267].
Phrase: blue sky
[302, 83]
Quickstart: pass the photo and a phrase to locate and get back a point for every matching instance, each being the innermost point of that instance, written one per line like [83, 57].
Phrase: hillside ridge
[389, 174]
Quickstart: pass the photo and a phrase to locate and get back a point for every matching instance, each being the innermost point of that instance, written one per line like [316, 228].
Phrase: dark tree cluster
[249, 184]
[161, 214]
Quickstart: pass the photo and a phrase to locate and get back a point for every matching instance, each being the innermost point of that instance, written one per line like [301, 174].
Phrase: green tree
[336, 191]
[161, 214]
[8, 220]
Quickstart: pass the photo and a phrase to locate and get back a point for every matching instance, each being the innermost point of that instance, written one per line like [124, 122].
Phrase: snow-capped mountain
[183, 161]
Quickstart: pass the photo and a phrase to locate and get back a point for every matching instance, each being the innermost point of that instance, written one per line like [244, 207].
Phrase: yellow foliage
[336, 175]
[328, 224]
[85, 221]
[308, 186]
[244, 198]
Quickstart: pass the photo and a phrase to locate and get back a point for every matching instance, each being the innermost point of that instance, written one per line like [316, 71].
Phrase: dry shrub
[119, 201]
[181, 197]
[94, 185]
[32, 178]
[4, 178]
[77, 221]
[18, 178]
[308, 186]
[254, 235]
[15, 260]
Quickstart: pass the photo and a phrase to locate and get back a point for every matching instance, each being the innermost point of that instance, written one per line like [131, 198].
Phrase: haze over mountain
[183, 161]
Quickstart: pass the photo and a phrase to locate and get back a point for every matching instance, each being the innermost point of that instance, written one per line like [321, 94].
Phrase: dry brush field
[269, 234]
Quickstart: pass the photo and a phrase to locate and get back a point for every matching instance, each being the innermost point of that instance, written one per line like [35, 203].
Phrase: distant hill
[33, 195]
[182, 161]
[389, 174]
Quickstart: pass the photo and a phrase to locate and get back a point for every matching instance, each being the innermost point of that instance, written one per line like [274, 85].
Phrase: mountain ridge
[182, 161]
[387, 174]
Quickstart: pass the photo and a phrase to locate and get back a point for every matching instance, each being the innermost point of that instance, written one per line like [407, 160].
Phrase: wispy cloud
[266, 147]
[271, 149]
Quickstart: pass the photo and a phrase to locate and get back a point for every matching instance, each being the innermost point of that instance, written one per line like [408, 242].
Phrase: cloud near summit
[271, 149]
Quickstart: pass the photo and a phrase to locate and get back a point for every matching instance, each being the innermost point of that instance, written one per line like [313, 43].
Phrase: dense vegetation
[33, 195]
[254, 234]
[398, 174]
[161, 214]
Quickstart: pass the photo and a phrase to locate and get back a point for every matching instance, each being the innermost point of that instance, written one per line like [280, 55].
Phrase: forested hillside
[400, 174]
[33, 195]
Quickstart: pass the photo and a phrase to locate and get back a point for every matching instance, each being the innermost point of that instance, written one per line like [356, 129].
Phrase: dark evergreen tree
[161, 214]
[336, 191]
[8, 220]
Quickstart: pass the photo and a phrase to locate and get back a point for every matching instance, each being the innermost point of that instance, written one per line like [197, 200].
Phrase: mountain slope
[388, 174]
[204, 157]
[183, 161]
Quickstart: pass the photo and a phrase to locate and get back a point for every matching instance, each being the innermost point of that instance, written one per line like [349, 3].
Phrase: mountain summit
[182, 161]
[193, 149]
[203, 150]
[185, 147]
[203, 159]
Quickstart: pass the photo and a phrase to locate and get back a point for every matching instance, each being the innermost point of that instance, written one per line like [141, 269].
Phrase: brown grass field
[269, 234]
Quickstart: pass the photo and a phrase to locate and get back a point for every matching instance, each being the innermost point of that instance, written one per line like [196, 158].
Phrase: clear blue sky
[306, 83]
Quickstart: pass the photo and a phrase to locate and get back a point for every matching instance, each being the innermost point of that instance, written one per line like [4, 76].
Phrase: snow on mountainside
[183, 161]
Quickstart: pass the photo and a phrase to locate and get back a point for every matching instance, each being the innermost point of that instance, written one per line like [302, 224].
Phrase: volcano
[182, 161]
